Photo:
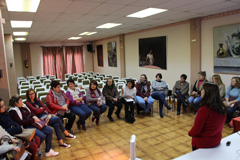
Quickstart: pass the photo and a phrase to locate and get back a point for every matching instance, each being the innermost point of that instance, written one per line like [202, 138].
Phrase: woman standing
[217, 80]
[143, 97]
[77, 105]
[128, 99]
[232, 98]
[21, 114]
[39, 109]
[159, 91]
[207, 129]
[95, 101]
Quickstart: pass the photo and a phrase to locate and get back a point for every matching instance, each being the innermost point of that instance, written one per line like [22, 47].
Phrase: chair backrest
[42, 93]
[43, 79]
[36, 82]
[43, 99]
[103, 75]
[115, 77]
[86, 82]
[48, 85]
[75, 78]
[83, 91]
[90, 78]
[21, 81]
[47, 76]
[38, 89]
[23, 96]
[59, 80]
[24, 87]
[62, 83]
[79, 80]
[80, 76]
[32, 80]
[109, 76]
[52, 78]
[21, 78]
[46, 81]
[98, 79]
[100, 85]
[23, 91]
[106, 78]
[120, 85]
[104, 81]
[25, 83]
[38, 77]
[70, 77]
[75, 74]
[83, 73]
[65, 87]
[36, 85]
[122, 81]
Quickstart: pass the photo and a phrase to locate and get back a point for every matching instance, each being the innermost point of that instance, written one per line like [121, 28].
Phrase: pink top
[200, 83]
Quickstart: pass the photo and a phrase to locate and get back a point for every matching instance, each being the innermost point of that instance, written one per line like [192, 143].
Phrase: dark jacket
[139, 92]
[185, 88]
[9, 125]
[38, 111]
[110, 94]
[52, 104]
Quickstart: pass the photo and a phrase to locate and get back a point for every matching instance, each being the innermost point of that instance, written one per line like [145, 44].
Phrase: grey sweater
[91, 100]
[5, 147]
[156, 88]
[185, 88]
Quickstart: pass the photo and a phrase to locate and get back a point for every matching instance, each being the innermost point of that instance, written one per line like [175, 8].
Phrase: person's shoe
[178, 113]
[84, 127]
[168, 107]
[97, 122]
[70, 136]
[110, 118]
[51, 153]
[161, 115]
[93, 118]
[118, 116]
[64, 145]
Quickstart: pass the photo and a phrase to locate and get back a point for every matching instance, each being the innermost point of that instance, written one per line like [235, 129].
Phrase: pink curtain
[53, 61]
[74, 60]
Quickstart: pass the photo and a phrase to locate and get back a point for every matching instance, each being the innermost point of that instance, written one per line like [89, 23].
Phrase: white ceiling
[57, 20]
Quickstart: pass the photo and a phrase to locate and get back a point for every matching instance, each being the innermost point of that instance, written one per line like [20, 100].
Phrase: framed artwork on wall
[100, 55]
[226, 49]
[112, 54]
[153, 52]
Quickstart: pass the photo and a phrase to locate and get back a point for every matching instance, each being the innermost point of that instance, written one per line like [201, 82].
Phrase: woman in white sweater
[128, 99]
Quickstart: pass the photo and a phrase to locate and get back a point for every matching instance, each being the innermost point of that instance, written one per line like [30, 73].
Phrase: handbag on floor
[27, 134]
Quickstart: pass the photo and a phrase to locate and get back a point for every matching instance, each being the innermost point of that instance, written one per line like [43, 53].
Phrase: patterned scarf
[74, 93]
[59, 97]
[143, 87]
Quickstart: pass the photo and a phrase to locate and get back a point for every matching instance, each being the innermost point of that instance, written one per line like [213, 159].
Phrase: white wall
[178, 53]
[36, 59]
[116, 71]
[88, 59]
[18, 60]
[207, 45]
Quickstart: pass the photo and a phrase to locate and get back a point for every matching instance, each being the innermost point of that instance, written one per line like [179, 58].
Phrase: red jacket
[139, 92]
[207, 129]
[52, 104]
[36, 110]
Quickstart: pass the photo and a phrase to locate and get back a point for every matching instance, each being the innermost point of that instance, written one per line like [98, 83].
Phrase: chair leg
[90, 120]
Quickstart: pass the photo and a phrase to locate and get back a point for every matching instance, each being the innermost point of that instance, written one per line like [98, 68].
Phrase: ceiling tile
[68, 18]
[26, 16]
[78, 7]
[53, 6]
[105, 9]
[46, 17]
[171, 4]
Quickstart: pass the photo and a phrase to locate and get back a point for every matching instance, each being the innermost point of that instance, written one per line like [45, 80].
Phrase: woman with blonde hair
[217, 80]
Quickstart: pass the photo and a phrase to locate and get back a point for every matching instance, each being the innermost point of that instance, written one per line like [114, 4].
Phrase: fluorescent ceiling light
[109, 25]
[87, 33]
[23, 5]
[146, 12]
[21, 24]
[74, 38]
[20, 33]
[20, 39]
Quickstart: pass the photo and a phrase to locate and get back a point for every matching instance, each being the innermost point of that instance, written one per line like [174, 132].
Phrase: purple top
[72, 101]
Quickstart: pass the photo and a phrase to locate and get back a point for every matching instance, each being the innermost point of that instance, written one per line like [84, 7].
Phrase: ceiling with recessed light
[58, 20]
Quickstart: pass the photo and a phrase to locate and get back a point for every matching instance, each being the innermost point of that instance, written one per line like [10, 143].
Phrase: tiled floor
[157, 138]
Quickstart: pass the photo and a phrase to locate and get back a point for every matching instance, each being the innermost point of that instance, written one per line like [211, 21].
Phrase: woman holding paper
[128, 99]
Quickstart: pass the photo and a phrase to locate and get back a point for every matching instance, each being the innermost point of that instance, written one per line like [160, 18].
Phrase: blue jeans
[230, 112]
[71, 118]
[161, 98]
[195, 101]
[82, 111]
[180, 99]
[145, 105]
[98, 110]
[56, 123]
[45, 133]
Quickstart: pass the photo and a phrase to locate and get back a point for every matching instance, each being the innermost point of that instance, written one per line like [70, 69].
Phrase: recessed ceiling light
[146, 12]
[21, 24]
[109, 25]
[23, 5]
[87, 33]
[20, 33]
[74, 38]
[20, 39]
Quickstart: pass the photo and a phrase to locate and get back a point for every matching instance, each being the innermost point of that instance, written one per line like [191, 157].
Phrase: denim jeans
[98, 110]
[82, 111]
[230, 112]
[195, 101]
[180, 99]
[143, 104]
[161, 98]
[45, 133]
[111, 105]
[56, 123]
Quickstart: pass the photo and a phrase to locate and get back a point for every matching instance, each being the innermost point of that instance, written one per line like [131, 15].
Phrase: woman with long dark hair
[207, 129]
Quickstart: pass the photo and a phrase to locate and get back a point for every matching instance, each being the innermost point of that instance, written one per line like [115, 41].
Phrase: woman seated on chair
[195, 97]
[217, 80]
[180, 91]
[111, 94]
[13, 128]
[159, 91]
[143, 97]
[208, 124]
[21, 114]
[77, 105]
[39, 109]
[58, 103]
[95, 101]
[232, 98]
[128, 99]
